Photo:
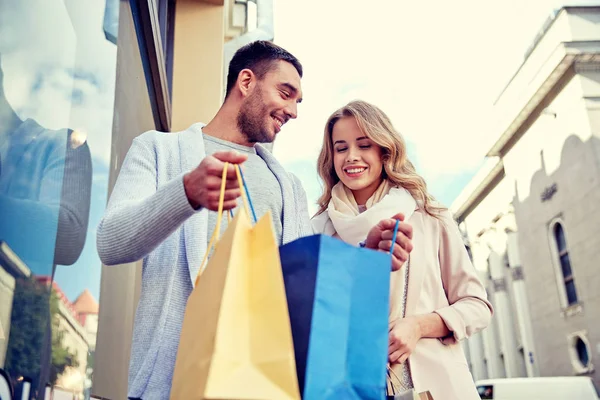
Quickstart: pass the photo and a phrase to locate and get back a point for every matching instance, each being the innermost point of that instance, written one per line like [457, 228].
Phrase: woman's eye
[341, 149]
[365, 146]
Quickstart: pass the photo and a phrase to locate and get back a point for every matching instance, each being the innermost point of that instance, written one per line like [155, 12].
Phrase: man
[159, 209]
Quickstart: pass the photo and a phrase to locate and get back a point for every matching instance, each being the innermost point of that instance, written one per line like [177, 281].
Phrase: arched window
[565, 279]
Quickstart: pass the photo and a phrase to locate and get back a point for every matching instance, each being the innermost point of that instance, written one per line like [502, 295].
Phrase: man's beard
[252, 119]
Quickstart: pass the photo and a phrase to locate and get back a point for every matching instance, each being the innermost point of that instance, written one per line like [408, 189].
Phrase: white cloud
[434, 67]
[58, 67]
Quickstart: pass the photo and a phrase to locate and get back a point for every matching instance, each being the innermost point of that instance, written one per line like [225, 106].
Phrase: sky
[435, 67]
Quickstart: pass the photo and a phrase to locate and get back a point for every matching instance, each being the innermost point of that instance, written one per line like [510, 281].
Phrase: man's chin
[268, 137]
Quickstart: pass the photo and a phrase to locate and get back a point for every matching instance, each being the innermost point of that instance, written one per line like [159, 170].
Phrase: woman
[436, 298]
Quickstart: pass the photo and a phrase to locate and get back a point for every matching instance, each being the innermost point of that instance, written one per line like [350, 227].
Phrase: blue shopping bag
[338, 301]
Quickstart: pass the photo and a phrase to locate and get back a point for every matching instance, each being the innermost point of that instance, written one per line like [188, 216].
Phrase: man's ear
[246, 81]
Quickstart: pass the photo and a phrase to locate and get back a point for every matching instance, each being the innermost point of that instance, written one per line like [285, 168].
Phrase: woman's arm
[469, 310]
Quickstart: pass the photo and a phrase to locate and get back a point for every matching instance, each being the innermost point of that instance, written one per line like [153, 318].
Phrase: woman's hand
[406, 332]
[404, 335]
[380, 238]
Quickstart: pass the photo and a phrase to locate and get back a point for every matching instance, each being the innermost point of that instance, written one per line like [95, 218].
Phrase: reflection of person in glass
[45, 185]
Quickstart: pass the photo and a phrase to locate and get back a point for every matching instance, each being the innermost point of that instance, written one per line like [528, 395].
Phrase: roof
[86, 304]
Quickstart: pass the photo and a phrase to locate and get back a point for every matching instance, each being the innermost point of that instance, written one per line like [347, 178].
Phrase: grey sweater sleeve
[140, 215]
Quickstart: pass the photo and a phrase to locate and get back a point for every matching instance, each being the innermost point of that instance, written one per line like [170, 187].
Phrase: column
[503, 311]
[477, 357]
[522, 305]
[491, 346]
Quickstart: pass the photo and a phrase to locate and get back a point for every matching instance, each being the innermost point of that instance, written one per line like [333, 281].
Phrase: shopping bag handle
[247, 204]
[394, 236]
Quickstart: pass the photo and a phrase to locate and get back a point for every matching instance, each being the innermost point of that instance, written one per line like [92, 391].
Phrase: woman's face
[357, 160]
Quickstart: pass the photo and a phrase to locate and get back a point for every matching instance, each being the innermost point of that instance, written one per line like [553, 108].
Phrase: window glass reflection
[57, 84]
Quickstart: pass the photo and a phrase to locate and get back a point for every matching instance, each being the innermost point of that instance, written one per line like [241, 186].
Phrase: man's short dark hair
[259, 57]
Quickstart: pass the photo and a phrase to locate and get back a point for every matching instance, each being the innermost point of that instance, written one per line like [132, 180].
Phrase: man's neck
[224, 126]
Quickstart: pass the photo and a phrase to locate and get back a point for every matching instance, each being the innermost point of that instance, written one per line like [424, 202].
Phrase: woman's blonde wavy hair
[397, 168]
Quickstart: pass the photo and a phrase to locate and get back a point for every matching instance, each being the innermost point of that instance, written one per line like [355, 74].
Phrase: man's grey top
[263, 186]
[149, 217]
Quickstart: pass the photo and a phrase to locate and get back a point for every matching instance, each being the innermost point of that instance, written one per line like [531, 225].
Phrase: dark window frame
[154, 25]
[562, 250]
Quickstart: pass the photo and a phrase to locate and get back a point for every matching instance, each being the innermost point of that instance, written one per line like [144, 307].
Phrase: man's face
[271, 103]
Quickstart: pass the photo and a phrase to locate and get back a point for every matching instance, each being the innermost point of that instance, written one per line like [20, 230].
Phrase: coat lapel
[416, 272]
[192, 151]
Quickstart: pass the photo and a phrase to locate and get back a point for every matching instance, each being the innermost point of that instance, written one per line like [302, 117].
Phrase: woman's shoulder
[321, 223]
[438, 216]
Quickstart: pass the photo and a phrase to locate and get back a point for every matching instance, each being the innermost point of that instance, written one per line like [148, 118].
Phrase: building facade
[531, 214]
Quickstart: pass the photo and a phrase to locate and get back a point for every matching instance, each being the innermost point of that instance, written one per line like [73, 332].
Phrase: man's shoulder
[158, 138]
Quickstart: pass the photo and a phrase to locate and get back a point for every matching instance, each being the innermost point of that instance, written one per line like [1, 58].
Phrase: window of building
[562, 261]
[580, 352]
[154, 24]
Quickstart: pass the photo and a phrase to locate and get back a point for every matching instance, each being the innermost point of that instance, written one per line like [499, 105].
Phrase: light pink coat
[441, 279]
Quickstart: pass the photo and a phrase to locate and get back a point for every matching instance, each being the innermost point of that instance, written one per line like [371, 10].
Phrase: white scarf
[353, 226]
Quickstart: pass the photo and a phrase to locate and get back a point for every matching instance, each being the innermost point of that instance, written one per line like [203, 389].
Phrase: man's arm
[74, 211]
[51, 229]
[139, 215]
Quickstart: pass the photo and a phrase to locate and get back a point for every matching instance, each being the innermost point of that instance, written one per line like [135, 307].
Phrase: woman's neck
[363, 195]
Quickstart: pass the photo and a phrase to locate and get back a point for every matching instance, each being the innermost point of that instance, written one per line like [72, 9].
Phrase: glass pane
[582, 352]
[571, 292]
[57, 85]
[166, 21]
[559, 235]
[565, 264]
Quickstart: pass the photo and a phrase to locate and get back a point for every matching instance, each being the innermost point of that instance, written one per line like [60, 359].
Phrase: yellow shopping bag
[236, 340]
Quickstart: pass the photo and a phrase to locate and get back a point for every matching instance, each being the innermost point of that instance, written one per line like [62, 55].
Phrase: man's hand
[380, 238]
[203, 184]
[404, 335]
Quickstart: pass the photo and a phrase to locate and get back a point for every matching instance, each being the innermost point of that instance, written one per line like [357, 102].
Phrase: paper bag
[236, 340]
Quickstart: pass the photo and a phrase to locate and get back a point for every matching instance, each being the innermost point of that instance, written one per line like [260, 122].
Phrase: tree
[35, 309]
[28, 323]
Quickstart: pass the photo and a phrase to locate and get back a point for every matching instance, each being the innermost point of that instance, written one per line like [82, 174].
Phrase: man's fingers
[216, 169]
[213, 182]
[230, 156]
[227, 205]
[232, 194]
